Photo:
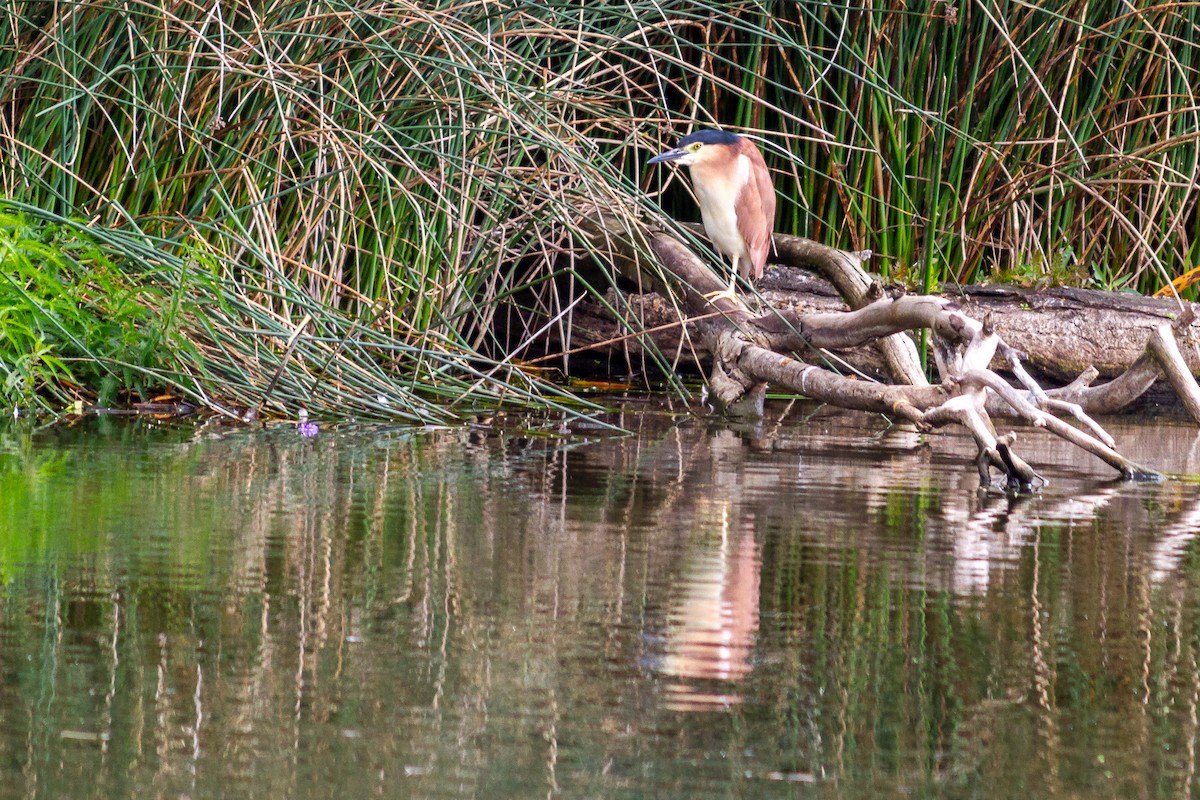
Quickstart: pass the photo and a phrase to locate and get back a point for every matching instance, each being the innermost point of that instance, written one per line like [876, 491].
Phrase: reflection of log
[750, 350]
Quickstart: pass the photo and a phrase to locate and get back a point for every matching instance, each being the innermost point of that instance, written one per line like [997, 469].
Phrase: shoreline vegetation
[371, 210]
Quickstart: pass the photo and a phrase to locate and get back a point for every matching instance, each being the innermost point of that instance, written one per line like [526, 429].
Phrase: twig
[293, 340]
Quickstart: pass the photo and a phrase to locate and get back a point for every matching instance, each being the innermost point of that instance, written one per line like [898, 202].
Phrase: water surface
[817, 606]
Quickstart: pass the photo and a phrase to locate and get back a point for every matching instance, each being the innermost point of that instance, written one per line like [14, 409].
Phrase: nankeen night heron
[737, 200]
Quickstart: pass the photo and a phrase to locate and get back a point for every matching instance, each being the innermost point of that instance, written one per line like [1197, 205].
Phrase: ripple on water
[702, 610]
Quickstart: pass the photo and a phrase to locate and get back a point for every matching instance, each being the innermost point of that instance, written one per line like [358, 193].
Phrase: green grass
[371, 209]
[70, 318]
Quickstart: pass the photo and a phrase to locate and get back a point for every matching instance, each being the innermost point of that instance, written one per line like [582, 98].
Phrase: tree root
[752, 350]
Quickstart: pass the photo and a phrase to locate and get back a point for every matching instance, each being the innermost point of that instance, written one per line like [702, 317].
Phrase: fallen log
[751, 347]
[1064, 332]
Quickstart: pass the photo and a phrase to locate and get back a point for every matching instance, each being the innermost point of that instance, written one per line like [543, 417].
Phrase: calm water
[819, 606]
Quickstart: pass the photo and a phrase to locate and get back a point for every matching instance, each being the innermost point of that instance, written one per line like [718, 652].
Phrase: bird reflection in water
[712, 624]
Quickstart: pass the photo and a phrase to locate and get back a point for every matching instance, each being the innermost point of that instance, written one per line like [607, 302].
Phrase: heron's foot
[728, 293]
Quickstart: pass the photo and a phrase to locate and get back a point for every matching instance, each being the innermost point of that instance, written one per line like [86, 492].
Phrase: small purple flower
[308, 429]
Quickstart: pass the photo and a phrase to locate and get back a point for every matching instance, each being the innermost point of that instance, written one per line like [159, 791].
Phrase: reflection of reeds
[408, 173]
[435, 605]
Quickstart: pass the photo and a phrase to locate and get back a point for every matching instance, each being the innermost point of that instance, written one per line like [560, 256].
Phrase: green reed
[407, 179]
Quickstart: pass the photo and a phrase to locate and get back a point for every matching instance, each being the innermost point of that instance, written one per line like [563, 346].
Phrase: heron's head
[702, 147]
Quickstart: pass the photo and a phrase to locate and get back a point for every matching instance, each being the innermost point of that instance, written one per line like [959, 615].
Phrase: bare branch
[1162, 345]
[750, 352]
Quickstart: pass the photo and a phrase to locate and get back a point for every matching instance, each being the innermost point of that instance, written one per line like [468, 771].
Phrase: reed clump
[371, 208]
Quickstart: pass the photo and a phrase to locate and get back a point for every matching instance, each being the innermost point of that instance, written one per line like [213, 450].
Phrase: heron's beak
[670, 155]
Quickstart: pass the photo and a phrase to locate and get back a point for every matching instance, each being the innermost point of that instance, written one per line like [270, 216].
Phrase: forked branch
[752, 349]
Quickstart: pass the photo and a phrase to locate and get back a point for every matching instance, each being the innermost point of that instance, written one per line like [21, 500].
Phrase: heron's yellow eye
[695, 146]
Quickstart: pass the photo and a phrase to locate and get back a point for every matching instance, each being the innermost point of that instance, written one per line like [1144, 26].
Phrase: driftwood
[751, 348]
